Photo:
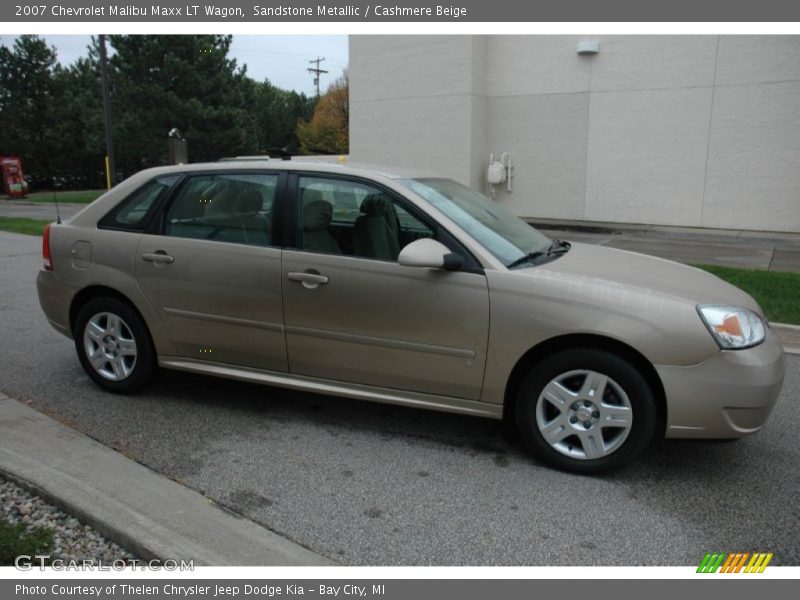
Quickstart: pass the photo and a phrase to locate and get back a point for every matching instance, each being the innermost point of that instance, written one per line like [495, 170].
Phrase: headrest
[317, 214]
[376, 205]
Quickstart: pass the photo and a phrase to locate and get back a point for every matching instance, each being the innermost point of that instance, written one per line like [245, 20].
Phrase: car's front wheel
[586, 411]
[114, 346]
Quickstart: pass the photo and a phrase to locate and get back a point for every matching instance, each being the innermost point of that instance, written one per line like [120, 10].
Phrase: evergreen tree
[28, 99]
[53, 116]
[277, 113]
[164, 81]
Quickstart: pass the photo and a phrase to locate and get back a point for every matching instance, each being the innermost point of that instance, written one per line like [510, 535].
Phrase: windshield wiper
[529, 257]
[557, 248]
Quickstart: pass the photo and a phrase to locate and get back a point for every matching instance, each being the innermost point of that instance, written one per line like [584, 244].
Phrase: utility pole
[110, 169]
[316, 71]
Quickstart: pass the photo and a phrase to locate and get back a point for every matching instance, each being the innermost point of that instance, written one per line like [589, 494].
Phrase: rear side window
[233, 207]
[131, 214]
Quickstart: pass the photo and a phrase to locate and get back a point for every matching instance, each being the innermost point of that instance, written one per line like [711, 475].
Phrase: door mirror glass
[429, 253]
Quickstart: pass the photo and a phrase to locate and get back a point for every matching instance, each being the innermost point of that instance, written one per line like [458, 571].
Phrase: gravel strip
[72, 540]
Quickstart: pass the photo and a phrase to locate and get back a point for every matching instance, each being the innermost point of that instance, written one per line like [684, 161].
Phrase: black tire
[627, 394]
[138, 372]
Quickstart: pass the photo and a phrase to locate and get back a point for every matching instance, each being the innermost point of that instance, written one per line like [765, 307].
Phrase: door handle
[159, 256]
[309, 280]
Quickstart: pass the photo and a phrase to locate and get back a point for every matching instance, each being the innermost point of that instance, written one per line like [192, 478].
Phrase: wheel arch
[595, 342]
[100, 291]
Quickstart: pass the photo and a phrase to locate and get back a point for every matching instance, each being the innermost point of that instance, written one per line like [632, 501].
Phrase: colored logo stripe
[711, 562]
[758, 563]
[734, 562]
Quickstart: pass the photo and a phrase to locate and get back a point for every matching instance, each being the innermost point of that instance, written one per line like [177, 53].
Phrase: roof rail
[241, 158]
[271, 153]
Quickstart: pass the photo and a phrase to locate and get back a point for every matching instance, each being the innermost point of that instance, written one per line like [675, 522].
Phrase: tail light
[48, 261]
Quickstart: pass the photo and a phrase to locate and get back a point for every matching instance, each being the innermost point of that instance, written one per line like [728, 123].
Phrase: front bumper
[730, 395]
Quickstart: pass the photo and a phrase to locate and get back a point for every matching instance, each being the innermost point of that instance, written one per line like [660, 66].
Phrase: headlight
[732, 327]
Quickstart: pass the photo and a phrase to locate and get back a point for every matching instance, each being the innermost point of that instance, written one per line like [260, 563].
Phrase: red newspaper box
[14, 183]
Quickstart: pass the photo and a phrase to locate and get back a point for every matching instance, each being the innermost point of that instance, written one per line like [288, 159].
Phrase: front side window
[131, 214]
[508, 238]
[355, 219]
[230, 207]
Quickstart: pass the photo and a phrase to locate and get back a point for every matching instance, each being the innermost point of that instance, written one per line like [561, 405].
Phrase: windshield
[507, 237]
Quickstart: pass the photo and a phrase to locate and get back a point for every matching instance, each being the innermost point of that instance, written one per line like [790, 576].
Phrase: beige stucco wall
[700, 131]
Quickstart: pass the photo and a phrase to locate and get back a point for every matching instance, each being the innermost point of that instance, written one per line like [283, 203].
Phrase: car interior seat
[376, 232]
[255, 225]
[317, 216]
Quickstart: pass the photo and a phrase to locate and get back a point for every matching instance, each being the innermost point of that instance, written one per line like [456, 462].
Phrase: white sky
[283, 59]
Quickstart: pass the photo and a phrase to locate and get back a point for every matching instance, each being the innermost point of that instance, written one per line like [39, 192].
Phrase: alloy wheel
[584, 414]
[110, 346]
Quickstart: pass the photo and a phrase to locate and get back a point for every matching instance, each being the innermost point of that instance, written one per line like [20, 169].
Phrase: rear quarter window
[132, 213]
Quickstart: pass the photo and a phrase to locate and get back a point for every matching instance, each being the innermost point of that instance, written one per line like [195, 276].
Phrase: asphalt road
[369, 484]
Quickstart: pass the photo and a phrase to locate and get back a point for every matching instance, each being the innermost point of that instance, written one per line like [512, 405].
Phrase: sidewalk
[143, 511]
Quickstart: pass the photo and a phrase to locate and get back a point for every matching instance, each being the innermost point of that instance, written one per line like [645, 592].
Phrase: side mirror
[429, 253]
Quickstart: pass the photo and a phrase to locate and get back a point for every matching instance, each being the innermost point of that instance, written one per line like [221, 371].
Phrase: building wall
[700, 131]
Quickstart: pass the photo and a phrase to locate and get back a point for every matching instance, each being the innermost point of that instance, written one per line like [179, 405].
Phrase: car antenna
[55, 201]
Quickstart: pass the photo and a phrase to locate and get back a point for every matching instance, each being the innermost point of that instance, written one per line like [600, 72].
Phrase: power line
[316, 71]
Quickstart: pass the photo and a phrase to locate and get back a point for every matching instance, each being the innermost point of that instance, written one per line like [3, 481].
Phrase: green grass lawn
[23, 225]
[66, 197]
[777, 292]
[14, 541]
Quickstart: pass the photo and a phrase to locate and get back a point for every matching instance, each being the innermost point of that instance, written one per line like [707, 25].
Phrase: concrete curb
[145, 512]
[789, 335]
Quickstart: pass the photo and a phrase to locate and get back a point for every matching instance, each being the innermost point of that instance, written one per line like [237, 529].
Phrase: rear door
[212, 269]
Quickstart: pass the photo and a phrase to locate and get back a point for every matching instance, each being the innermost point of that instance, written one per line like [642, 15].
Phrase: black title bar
[243, 11]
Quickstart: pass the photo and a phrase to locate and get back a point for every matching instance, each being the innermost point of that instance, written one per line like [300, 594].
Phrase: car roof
[299, 164]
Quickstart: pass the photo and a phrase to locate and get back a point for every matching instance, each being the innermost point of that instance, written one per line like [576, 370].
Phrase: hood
[649, 273]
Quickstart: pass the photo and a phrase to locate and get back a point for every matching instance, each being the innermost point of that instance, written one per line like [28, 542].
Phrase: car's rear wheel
[586, 411]
[114, 346]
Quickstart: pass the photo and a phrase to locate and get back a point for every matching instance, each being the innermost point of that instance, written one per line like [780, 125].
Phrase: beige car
[412, 291]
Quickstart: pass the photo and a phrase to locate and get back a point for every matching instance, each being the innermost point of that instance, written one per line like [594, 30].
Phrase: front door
[354, 314]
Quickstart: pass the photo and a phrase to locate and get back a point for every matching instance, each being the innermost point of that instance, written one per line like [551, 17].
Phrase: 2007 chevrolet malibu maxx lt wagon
[407, 290]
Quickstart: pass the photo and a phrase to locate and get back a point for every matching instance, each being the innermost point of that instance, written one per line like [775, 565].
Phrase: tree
[328, 130]
[53, 116]
[28, 101]
[79, 141]
[276, 112]
[162, 81]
